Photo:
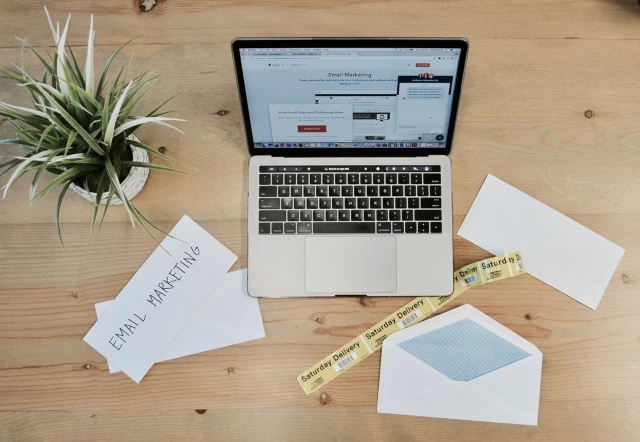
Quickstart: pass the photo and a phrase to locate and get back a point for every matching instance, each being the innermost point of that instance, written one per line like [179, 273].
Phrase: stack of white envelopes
[230, 316]
[181, 301]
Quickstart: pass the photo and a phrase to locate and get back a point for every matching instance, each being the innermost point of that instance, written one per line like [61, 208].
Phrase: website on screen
[373, 97]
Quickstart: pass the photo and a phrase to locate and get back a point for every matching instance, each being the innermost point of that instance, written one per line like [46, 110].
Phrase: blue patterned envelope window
[463, 350]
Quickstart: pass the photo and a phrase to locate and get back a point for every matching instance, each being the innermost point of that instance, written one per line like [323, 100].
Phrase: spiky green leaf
[106, 67]
[58, 206]
[153, 166]
[115, 182]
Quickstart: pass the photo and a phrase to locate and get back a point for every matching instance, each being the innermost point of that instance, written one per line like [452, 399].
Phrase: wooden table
[551, 105]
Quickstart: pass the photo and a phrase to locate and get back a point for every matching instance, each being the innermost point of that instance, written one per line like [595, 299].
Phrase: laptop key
[353, 178]
[430, 203]
[331, 228]
[363, 203]
[277, 178]
[304, 228]
[394, 215]
[375, 203]
[382, 215]
[369, 215]
[272, 215]
[305, 215]
[410, 227]
[378, 178]
[337, 203]
[397, 191]
[289, 179]
[359, 191]
[414, 203]
[303, 178]
[267, 191]
[403, 178]
[277, 228]
[401, 203]
[343, 215]
[315, 178]
[410, 190]
[265, 179]
[325, 203]
[423, 227]
[391, 178]
[312, 203]
[334, 190]
[407, 215]
[423, 190]
[387, 203]
[431, 178]
[322, 191]
[264, 228]
[385, 190]
[327, 178]
[318, 215]
[350, 203]
[293, 215]
[416, 178]
[286, 203]
[289, 228]
[383, 227]
[347, 190]
[356, 215]
[283, 191]
[296, 190]
[269, 203]
[428, 215]
[332, 215]
[298, 203]
[365, 178]
[398, 227]
[341, 178]
[436, 227]
[372, 190]
[309, 191]
[435, 191]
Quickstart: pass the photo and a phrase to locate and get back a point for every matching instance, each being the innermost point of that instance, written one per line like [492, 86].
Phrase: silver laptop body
[349, 178]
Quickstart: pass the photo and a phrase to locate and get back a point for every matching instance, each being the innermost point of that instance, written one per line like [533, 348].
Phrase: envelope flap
[463, 350]
[455, 315]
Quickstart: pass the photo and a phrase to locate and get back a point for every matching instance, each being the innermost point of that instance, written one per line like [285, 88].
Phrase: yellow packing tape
[419, 309]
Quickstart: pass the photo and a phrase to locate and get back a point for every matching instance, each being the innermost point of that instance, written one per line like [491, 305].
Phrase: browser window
[355, 97]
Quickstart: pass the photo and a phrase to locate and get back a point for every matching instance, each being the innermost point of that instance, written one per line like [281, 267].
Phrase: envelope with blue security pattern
[461, 365]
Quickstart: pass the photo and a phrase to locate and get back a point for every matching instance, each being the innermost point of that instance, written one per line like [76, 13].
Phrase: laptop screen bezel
[249, 43]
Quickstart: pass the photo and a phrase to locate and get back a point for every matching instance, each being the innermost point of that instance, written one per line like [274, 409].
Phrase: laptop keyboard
[307, 200]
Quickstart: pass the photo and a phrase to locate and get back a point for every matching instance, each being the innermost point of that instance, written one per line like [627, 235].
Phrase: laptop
[349, 176]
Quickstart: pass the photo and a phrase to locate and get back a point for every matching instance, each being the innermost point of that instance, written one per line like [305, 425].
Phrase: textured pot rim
[132, 185]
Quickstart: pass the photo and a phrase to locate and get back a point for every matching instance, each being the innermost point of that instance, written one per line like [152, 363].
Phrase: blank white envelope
[507, 394]
[229, 316]
[555, 249]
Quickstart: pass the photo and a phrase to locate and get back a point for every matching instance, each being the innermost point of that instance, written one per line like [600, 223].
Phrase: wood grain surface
[551, 105]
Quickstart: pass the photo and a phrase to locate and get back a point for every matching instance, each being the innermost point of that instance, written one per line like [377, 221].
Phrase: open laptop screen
[332, 97]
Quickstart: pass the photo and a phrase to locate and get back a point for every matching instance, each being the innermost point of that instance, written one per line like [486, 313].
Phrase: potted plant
[81, 130]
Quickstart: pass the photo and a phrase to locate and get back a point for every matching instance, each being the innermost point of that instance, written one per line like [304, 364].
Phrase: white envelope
[555, 249]
[229, 316]
[409, 386]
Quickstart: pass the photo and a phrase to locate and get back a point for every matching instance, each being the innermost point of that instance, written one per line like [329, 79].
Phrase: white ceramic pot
[132, 184]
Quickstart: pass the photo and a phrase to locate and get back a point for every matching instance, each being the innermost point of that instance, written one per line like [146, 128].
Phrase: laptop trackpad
[350, 265]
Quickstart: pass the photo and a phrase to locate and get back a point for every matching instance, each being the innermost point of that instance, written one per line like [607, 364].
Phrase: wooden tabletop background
[551, 105]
